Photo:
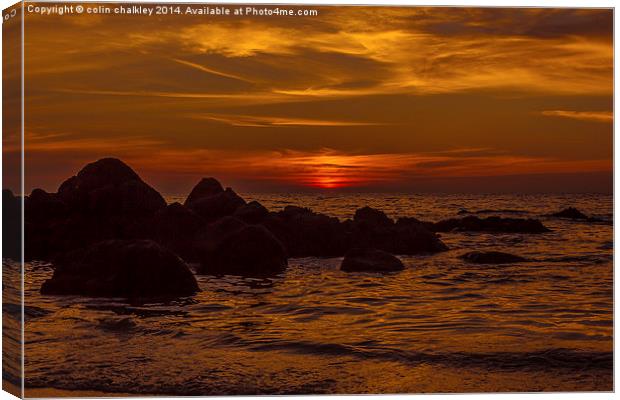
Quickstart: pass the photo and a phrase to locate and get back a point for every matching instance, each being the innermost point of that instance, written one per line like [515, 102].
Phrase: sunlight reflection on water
[439, 326]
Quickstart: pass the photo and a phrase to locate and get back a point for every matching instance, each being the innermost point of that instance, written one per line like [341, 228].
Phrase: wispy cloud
[274, 121]
[210, 70]
[596, 116]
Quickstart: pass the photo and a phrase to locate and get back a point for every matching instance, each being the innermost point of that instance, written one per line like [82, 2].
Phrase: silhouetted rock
[371, 216]
[42, 206]
[490, 224]
[117, 268]
[110, 187]
[207, 187]
[370, 260]
[105, 200]
[571, 213]
[491, 257]
[250, 250]
[252, 213]
[574, 214]
[176, 227]
[305, 233]
[211, 203]
[371, 228]
[11, 225]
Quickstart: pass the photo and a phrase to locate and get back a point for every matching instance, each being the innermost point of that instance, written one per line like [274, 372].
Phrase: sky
[354, 99]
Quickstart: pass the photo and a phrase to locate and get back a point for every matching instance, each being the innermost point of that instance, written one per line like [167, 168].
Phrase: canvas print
[230, 199]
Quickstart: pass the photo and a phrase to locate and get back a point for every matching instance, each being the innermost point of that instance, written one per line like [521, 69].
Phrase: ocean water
[441, 325]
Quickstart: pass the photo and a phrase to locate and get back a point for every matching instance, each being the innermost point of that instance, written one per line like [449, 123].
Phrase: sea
[439, 326]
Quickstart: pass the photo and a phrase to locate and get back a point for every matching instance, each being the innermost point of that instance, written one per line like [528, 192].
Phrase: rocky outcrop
[232, 247]
[491, 257]
[370, 260]
[490, 224]
[118, 268]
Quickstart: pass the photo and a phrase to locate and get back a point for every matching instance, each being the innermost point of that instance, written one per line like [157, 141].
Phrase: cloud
[209, 70]
[273, 121]
[595, 116]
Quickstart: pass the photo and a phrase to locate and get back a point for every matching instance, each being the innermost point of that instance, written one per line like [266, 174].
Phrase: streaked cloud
[274, 121]
[596, 116]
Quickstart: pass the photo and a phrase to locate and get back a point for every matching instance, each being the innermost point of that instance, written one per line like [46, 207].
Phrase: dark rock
[574, 214]
[305, 233]
[41, 206]
[252, 213]
[490, 224]
[110, 187]
[370, 260]
[11, 225]
[373, 229]
[207, 187]
[215, 206]
[176, 228]
[250, 251]
[117, 268]
[491, 257]
[105, 200]
[371, 216]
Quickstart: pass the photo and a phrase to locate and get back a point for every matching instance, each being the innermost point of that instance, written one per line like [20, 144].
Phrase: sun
[327, 182]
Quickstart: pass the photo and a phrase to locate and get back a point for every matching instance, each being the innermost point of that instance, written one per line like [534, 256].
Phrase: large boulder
[118, 268]
[211, 202]
[370, 260]
[490, 224]
[110, 187]
[105, 200]
[249, 250]
[491, 257]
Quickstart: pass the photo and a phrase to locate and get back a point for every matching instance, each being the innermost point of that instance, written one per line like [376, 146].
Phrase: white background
[502, 3]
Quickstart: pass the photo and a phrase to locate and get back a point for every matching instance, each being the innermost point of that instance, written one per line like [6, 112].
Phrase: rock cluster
[111, 234]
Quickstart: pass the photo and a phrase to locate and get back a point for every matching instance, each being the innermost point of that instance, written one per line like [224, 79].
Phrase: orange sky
[374, 98]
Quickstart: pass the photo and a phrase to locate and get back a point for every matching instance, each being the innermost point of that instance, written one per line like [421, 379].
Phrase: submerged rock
[491, 257]
[121, 268]
[249, 250]
[574, 214]
[370, 260]
[490, 224]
